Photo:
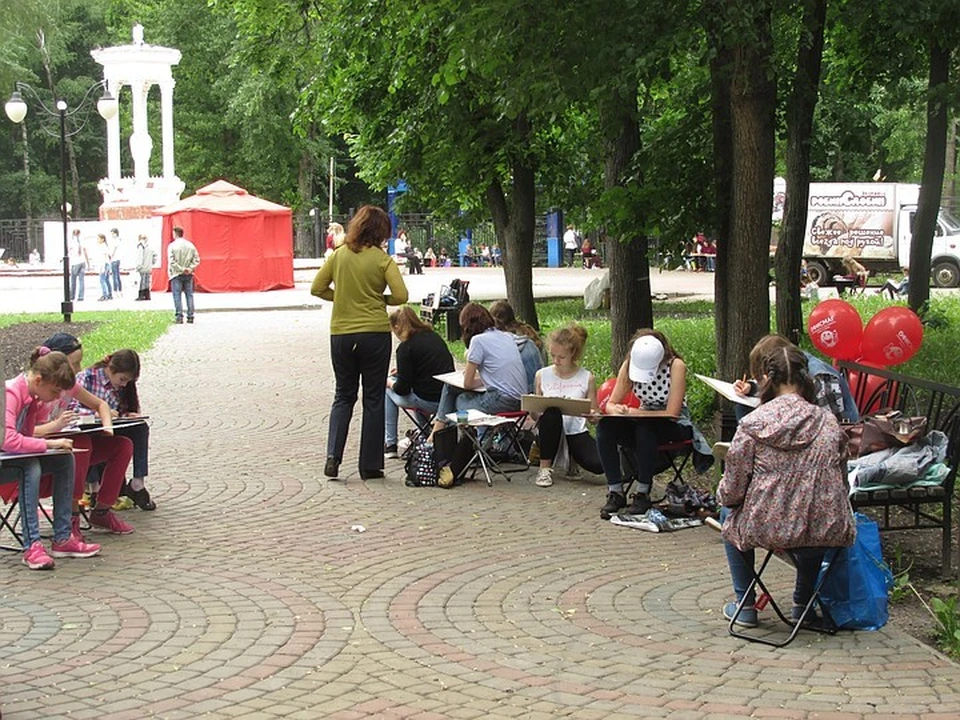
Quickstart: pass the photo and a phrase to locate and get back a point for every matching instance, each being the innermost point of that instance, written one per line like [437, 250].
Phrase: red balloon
[604, 391]
[892, 336]
[867, 401]
[835, 328]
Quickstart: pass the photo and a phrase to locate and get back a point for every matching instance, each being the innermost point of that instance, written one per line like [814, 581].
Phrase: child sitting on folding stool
[565, 378]
[784, 484]
[657, 375]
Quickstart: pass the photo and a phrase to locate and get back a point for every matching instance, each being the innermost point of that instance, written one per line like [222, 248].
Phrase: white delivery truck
[873, 222]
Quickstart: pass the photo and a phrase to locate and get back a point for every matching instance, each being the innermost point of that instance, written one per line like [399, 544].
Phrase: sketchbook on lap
[455, 378]
[93, 424]
[726, 389]
[567, 406]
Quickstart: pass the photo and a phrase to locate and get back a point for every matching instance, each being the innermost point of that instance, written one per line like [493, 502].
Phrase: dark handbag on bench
[882, 431]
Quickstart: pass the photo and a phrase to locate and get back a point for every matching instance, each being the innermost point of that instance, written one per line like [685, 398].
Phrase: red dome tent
[245, 242]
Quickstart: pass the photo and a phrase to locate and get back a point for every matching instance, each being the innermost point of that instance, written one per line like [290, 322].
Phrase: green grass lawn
[138, 330]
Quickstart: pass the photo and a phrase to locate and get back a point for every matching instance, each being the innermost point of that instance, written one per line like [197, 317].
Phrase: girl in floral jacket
[785, 483]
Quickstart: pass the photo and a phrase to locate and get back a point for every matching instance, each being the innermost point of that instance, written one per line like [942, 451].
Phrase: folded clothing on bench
[914, 463]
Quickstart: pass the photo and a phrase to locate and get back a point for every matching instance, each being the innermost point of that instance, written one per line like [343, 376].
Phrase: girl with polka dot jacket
[657, 376]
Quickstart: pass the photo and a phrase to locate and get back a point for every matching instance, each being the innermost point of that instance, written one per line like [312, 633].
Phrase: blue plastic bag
[856, 590]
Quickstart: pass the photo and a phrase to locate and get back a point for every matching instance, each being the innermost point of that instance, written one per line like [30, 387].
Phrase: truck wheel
[945, 274]
[817, 272]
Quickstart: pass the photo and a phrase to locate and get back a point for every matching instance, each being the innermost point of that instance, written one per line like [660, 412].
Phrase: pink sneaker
[75, 527]
[109, 522]
[74, 547]
[36, 558]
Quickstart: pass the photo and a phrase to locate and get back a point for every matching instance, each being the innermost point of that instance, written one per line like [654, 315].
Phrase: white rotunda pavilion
[139, 66]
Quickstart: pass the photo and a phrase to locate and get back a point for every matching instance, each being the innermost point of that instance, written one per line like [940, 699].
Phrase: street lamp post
[16, 109]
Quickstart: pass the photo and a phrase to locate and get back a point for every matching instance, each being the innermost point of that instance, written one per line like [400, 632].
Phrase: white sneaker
[544, 477]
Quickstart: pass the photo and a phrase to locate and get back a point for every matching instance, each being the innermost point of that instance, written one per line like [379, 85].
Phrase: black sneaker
[639, 504]
[141, 498]
[332, 468]
[615, 503]
[371, 474]
[390, 452]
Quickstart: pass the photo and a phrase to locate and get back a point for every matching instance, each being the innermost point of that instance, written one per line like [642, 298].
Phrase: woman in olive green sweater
[354, 278]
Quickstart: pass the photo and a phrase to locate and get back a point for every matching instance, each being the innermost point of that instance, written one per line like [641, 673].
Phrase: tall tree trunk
[932, 183]
[626, 255]
[515, 224]
[950, 163]
[803, 101]
[721, 67]
[305, 243]
[743, 257]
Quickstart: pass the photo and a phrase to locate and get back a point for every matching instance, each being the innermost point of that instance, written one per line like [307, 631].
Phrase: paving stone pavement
[248, 594]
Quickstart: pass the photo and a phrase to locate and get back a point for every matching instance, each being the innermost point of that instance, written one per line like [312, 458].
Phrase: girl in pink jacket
[48, 376]
[784, 486]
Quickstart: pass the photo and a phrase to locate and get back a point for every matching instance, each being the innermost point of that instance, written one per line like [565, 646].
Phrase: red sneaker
[36, 558]
[74, 547]
[111, 523]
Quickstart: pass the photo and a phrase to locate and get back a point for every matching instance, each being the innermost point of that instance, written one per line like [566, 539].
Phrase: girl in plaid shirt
[114, 379]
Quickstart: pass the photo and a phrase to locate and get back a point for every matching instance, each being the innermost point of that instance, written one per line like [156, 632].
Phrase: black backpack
[421, 468]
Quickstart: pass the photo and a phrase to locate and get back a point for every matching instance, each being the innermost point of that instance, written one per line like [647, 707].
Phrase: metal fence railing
[426, 231]
[19, 237]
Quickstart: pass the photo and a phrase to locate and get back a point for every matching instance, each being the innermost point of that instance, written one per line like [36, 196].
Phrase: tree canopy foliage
[643, 121]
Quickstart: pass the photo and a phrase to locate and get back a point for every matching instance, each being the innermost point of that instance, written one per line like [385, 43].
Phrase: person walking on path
[102, 255]
[182, 260]
[145, 259]
[571, 243]
[354, 278]
[116, 250]
[78, 265]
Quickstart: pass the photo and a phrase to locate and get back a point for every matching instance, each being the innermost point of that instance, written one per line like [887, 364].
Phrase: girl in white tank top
[566, 379]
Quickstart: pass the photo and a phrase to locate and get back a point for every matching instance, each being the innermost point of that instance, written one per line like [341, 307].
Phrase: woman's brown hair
[405, 322]
[368, 228]
[775, 361]
[506, 320]
[474, 319]
[128, 362]
[52, 367]
[573, 337]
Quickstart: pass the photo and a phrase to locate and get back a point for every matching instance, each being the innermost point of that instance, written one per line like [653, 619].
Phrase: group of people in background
[700, 254]
[573, 243]
[43, 402]
[107, 256]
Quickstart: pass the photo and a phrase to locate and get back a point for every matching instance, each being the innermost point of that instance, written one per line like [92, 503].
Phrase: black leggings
[642, 436]
[583, 448]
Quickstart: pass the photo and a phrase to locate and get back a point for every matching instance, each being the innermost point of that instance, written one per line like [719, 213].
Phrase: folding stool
[764, 597]
[675, 454]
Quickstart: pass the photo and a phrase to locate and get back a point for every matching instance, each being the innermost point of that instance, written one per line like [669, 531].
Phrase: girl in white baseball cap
[657, 376]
